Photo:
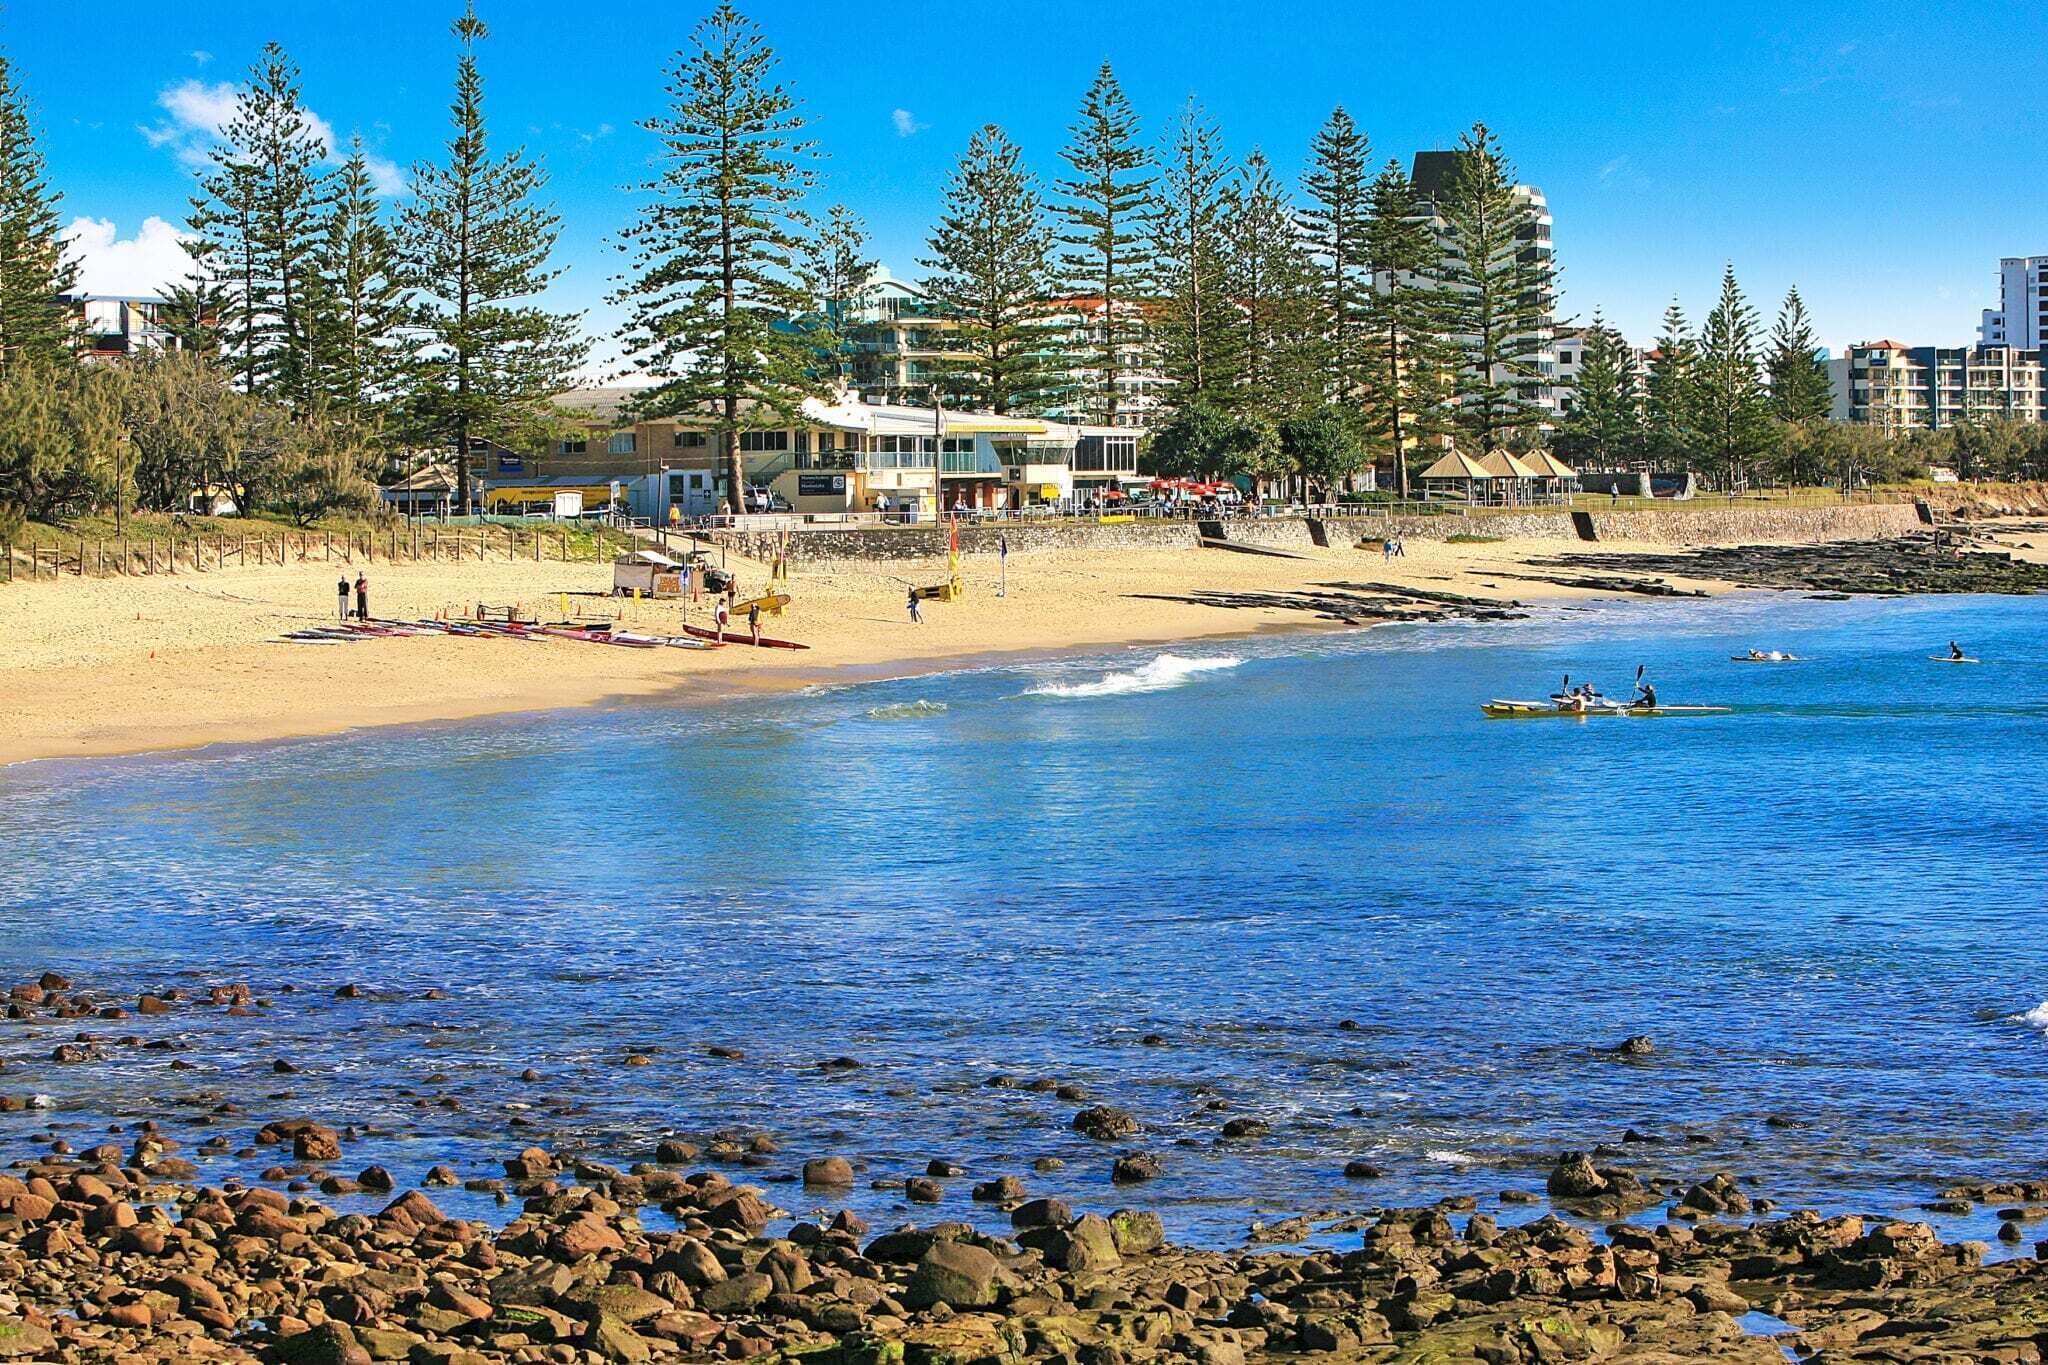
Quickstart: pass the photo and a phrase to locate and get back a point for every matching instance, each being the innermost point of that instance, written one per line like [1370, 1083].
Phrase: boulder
[828, 1171]
[1134, 1167]
[1574, 1177]
[1104, 1123]
[957, 1274]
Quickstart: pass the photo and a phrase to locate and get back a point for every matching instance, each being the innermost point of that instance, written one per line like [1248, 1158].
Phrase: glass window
[622, 443]
[575, 447]
[764, 440]
[690, 439]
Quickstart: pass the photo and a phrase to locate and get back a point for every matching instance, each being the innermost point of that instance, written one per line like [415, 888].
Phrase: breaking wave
[1168, 670]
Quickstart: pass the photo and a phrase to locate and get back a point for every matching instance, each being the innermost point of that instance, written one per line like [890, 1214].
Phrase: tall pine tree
[1199, 339]
[1335, 224]
[1271, 283]
[1109, 267]
[33, 266]
[1735, 427]
[1671, 400]
[991, 267]
[1404, 317]
[361, 311]
[1606, 422]
[257, 219]
[476, 241]
[835, 268]
[1501, 296]
[1801, 393]
[715, 246]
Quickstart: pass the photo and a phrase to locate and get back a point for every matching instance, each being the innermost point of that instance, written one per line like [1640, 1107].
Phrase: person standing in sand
[362, 597]
[722, 616]
[916, 617]
[754, 621]
[341, 597]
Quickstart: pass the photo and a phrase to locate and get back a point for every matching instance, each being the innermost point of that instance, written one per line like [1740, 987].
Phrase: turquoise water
[1825, 908]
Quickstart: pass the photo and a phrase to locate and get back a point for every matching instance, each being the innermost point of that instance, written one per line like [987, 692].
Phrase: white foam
[1168, 670]
[1449, 1158]
[2036, 1017]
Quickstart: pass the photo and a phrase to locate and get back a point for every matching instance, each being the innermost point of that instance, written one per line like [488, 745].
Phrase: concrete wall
[1695, 525]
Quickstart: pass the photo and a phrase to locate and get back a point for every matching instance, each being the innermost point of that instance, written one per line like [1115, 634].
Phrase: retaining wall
[1694, 525]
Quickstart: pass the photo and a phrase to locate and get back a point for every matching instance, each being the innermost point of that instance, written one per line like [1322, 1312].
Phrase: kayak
[740, 637]
[1767, 659]
[1951, 659]
[1529, 710]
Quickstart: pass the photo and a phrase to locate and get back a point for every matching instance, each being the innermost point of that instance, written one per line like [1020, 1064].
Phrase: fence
[198, 553]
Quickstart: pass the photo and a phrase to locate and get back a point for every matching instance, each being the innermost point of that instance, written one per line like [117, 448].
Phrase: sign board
[820, 485]
[569, 504]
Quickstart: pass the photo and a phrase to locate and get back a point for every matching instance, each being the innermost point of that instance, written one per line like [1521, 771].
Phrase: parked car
[766, 500]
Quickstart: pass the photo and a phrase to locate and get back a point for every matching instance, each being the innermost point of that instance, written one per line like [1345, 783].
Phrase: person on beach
[362, 597]
[916, 618]
[341, 597]
[1002, 564]
[754, 621]
[1386, 549]
[689, 589]
[722, 615]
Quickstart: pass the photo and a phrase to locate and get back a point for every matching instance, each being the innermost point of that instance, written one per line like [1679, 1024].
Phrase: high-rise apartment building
[2021, 318]
[1892, 385]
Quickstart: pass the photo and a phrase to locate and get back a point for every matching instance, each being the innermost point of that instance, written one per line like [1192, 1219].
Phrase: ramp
[1582, 522]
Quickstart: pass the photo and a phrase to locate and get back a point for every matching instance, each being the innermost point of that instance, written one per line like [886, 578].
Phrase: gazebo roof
[1548, 466]
[1501, 465]
[1456, 464]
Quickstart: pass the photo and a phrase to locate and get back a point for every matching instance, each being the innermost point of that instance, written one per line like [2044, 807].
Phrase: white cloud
[906, 123]
[147, 263]
[198, 116]
[200, 56]
[1614, 167]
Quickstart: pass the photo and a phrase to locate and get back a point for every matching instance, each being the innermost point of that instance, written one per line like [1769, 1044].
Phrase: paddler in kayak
[1646, 697]
[1955, 651]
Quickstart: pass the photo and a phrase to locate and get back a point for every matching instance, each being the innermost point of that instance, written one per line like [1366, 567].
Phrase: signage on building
[820, 485]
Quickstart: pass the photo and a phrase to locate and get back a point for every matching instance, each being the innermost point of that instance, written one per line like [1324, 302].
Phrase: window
[622, 443]
[764, 440]
[575, 447]
[803, 443]
[1564, 357]
[691, 439]
[827, 440]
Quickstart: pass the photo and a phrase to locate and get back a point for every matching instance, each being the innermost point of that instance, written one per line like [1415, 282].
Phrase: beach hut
[1457, 475]
[1556, 480]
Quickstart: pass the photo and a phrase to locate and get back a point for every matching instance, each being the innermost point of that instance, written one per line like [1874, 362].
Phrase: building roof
[1501, 465]
[1434, 173]
[1548, 466]
[1456, 464]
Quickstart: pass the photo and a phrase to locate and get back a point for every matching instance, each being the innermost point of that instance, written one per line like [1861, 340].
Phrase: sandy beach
[107, 666]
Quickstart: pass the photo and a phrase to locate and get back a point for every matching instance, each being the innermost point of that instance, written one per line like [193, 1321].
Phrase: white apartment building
[2021, 318]
[1570, 347]
[114, 325]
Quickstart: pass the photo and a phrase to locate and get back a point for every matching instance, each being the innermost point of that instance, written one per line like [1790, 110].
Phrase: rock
[920, 1190]
[738, 1294]
[943, 1170]
[676, 1152]
[26, 1341]
[1038, 1213]
[1004, 1189]
[316, 1142]
[1134, 1167]
[956, 1274]
[830, 1171]
[1136, 1232]
[1246, 1128]
[1574, 1177]
[585, 1235]
[1363, 1170]
[1717, 1195]
[439, 1177]
[614, 1340]
[1104, 1123]
[376, 1179]
[1637, 1045]
[331, 1343]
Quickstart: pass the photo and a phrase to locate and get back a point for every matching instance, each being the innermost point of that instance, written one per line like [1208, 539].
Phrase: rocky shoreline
[104, 1260]
[1906, 565]
[122, 1252]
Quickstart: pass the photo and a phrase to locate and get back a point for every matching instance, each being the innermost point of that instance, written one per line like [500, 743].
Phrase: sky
[1881, 160]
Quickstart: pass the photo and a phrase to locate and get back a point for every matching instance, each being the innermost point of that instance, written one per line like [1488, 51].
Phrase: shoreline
[723, 1245]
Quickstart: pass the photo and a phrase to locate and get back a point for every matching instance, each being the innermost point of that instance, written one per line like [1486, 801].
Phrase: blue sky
[1882, 162]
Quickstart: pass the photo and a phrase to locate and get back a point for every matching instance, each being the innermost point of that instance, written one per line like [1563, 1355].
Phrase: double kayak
[1530, 710]
[1771, 658]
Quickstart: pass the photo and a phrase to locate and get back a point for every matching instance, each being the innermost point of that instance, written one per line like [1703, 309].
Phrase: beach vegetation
[1105, 212]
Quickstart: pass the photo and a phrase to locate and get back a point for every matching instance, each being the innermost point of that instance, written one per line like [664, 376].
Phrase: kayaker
[1646, 696]
[1955, 651]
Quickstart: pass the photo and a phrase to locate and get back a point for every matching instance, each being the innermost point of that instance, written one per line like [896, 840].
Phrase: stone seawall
[1695, 525]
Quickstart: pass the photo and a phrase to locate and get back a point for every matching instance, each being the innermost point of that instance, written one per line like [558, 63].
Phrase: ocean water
[1330, 894]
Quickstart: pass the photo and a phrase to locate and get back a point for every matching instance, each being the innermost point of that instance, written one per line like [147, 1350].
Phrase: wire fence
[121, 556]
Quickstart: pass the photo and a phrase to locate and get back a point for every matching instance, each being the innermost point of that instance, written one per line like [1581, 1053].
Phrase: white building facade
[2021, 318]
